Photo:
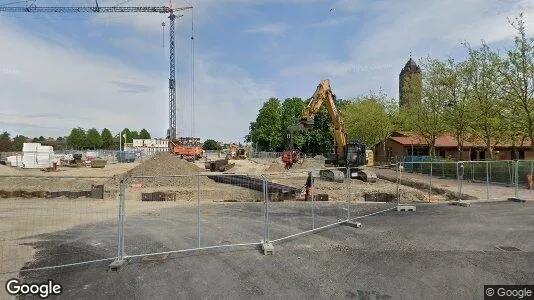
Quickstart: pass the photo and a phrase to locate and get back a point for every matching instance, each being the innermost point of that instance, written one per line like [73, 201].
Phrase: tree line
[486, 97]
[78, 139]
[270, 131]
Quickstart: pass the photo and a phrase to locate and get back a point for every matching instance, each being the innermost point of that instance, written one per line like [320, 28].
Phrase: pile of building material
[219, 165]
[36, 156]
[98, 163]
[14, 161]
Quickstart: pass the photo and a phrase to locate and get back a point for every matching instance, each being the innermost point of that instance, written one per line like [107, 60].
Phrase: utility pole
[171, 131]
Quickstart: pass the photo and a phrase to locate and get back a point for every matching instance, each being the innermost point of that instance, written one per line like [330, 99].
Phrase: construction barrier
[113, 220]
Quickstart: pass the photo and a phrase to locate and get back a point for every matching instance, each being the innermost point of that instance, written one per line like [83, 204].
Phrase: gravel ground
[437, 252]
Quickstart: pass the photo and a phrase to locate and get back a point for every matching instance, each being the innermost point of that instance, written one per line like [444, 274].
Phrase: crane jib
[93, 9]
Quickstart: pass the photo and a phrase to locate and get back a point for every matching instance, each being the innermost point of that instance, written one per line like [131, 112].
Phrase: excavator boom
[323, 96]
[348, 154]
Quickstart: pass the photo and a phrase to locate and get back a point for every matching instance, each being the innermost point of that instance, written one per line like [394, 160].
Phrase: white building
[148, 146]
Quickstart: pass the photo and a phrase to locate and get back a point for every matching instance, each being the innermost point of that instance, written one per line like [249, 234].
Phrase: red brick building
[402, 144]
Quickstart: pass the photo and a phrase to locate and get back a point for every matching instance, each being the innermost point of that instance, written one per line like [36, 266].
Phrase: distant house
[402, 144]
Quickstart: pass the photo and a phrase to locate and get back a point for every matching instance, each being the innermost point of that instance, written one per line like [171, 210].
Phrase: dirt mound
[308, 164]
[164, 164]
[9, 171]
[276, 167]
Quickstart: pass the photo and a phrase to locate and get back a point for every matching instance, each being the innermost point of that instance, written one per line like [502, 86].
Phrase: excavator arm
[324, 96]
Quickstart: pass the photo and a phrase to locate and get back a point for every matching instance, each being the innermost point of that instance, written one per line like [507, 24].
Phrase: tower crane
[171, 131]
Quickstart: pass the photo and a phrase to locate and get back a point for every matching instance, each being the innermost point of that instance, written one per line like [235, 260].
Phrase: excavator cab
[355, 154]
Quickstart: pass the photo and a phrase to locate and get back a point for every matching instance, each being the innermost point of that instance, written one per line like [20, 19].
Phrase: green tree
[517, 72]
[18, 142]
[370, 118]
[211, 145]
[143, 134]
[251, 128]
[94, 140]
[268, 126]
[426, 118]
[135, 135]
[320, 139]
[292, 109]
[77, 138]
[126, 136]
[107, 139]
[488, 115]
[41, 139]
[5, 142]
[457, 80]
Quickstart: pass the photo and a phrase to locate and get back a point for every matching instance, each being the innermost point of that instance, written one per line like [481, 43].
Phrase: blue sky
[59, 71]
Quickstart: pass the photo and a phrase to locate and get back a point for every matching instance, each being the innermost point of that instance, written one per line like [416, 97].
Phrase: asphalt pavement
[439, 251]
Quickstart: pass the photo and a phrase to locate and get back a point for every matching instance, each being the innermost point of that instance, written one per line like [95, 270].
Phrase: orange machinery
[187, 147]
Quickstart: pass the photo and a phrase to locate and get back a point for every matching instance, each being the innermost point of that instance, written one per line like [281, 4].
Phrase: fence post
[421, 167]
[459, 176]
[510, 172]
[531, 167]
[198, 210]
[516, 178]
[312, 198]
[348, 193]
[487, 179]
[430, 185]
[266, 211]
[472, 171]
[119, 261]
[399, 181]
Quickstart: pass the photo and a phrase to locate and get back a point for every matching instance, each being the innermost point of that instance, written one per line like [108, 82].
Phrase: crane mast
[171, 131]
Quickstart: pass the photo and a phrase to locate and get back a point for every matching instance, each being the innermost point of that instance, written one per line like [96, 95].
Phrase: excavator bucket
[307, 122]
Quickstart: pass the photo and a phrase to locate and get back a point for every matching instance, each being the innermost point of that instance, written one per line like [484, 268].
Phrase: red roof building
[402, 144]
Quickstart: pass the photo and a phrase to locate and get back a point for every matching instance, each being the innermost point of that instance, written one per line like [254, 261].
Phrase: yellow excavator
[348, 154]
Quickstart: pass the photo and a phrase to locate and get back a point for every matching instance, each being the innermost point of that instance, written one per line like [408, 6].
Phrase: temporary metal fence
[57, 216]
[472, 180]
[151, 216]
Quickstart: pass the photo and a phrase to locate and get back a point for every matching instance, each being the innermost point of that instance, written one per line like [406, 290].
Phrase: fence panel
[525, 182]
[469, 180]
[290, 211]
[55, 220]
[160, 214]
[231, 209]
[330, 195]
[177, 212]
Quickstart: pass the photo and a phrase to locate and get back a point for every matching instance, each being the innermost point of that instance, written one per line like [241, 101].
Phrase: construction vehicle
[348, 154]
[241, 154]
[187, 148]
[291, 156]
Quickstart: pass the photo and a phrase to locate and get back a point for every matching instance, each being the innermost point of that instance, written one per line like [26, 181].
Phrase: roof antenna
[410, 54]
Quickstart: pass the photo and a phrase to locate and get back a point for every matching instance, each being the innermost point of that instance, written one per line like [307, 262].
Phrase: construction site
[163, 218]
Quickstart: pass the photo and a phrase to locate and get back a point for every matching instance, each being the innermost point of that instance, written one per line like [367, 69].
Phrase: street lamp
[120, 141]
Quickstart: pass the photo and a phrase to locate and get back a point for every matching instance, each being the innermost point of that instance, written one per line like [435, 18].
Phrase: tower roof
[410, 67]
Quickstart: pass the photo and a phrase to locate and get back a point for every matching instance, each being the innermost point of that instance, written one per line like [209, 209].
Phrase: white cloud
[46, 89]
[332, 21]
[274, 28]
[433, 28]
[62, 86]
